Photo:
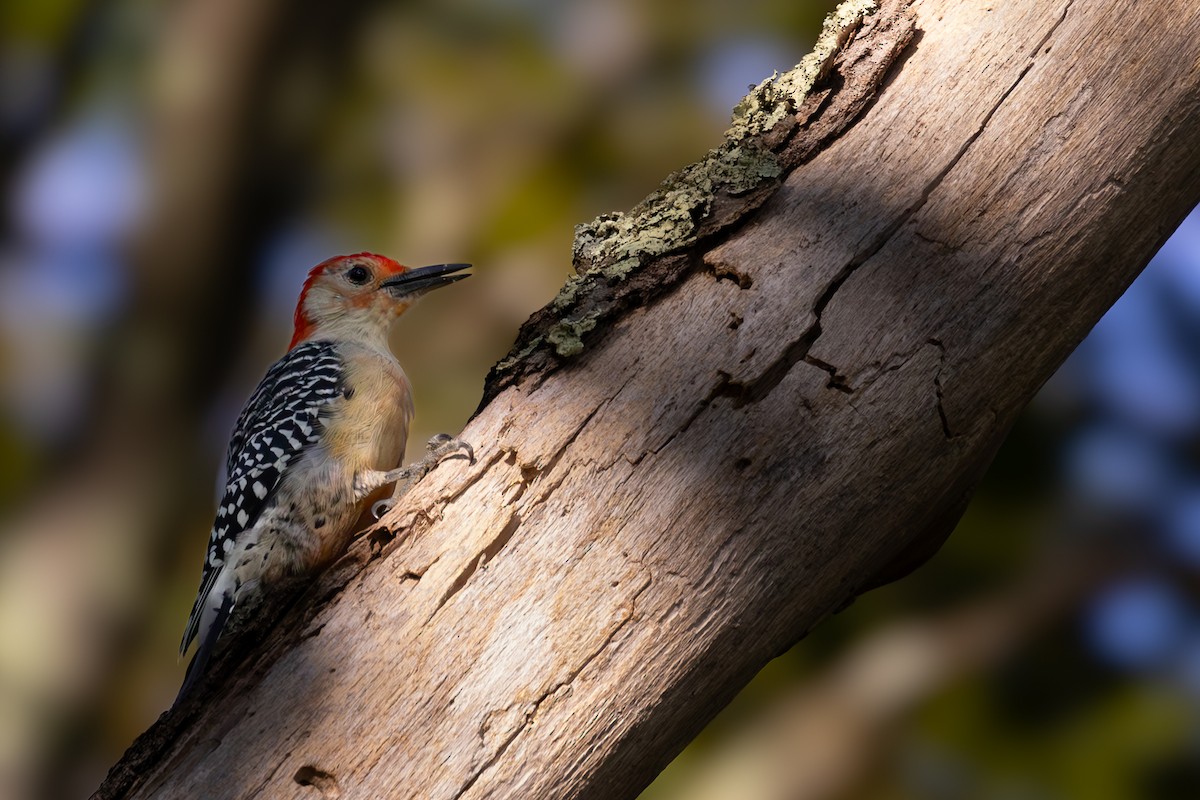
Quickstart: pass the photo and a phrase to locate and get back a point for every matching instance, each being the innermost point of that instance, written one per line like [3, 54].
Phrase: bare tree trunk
[773, 384]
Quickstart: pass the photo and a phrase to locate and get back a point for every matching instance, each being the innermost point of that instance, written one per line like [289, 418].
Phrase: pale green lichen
[666, 220]
[663, 224]
[614, 246]
[620, 270]
[772, 100]
[569, 291]
[567, 336]
[518, 357]
[743, 167]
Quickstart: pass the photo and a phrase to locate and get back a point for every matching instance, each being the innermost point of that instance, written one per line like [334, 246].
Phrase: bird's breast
[368, 427]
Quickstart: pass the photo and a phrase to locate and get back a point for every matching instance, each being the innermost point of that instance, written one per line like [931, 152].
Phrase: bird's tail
[208, 644]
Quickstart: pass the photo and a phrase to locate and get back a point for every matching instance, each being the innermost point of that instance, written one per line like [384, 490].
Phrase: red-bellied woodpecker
[325, 428]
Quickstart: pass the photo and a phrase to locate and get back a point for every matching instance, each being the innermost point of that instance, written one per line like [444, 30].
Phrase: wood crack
[754, 391]
[939, 390]
[555, 689]
[529, 473]
[383, 538]
[1053, 29]
[489, 552]
[937, 179]
[799, 350]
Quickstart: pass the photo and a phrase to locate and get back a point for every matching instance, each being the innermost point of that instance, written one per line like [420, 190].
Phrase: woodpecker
[325, 429]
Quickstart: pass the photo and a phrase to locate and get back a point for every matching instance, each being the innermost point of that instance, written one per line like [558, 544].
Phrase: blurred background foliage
[171, 170]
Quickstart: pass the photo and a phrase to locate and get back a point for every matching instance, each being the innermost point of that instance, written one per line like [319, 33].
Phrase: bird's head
[359, 296]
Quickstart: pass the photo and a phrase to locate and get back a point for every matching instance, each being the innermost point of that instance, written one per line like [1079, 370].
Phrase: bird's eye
[358, 274]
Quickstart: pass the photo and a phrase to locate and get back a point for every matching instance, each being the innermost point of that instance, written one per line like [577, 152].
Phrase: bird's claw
[441, 447]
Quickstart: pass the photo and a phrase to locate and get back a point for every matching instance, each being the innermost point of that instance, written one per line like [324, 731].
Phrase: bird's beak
[414, 282]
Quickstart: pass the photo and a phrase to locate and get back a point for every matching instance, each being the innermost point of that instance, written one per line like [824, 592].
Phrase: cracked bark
[791, 408]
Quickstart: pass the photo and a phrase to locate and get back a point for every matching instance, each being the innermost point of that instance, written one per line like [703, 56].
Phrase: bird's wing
[281, 420]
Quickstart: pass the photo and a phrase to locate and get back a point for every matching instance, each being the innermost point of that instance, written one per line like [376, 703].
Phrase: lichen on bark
[614, 249]
[668, 219]
[771, 101]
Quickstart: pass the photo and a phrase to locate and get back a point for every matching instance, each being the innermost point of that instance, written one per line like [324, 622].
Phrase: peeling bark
[709, 443]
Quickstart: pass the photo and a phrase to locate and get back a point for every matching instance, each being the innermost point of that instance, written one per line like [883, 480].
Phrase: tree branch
[831, 735]
[772, 384]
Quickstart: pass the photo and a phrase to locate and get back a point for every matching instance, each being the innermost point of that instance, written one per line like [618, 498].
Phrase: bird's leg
[441, 448]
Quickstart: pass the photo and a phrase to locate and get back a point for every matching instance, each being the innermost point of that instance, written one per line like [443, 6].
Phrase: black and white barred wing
[281, 420]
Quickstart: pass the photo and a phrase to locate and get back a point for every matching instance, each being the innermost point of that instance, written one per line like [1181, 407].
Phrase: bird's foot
[441, 447]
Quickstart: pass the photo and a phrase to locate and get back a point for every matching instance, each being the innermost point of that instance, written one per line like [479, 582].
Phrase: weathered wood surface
[803, 409]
